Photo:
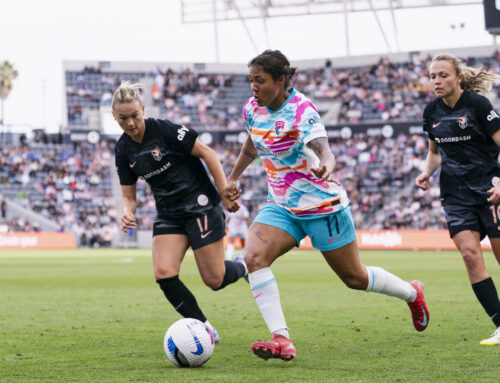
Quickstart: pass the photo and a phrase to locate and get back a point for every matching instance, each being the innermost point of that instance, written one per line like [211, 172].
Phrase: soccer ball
[188, 343]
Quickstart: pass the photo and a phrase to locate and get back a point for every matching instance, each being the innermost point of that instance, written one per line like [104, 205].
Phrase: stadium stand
[72, 183]
[67, 183]
[385, 91]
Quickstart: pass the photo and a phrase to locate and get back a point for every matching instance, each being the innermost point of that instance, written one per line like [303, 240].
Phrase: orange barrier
[403, 240]
[44, 240]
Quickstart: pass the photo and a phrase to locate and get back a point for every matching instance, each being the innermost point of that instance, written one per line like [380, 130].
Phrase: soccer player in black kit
[464, 139]
[167, 156]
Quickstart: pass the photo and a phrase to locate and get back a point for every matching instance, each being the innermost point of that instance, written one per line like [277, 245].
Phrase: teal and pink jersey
[280, 136]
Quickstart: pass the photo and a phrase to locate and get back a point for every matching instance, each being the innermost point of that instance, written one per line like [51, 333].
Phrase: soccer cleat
[240, 258]
[419, 310]
[213, 333]
[279, 347]
[494, 340]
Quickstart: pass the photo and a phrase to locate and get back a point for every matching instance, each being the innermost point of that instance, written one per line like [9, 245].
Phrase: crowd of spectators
[383, 91]
[17, 224]
[195, 99]
[68, 184]
[380, 92]
[204, 101]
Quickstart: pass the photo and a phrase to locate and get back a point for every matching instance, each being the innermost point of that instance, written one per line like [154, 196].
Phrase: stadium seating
[68, 183]
[72, 185]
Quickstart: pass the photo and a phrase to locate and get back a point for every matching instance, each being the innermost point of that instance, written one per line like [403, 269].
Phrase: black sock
[181, 298]
[486, 294]
[234, 271]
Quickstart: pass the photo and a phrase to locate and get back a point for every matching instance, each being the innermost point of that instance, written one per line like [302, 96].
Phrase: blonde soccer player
[464, 136]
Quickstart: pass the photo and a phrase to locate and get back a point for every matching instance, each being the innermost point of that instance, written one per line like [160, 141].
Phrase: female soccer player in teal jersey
[285, 130]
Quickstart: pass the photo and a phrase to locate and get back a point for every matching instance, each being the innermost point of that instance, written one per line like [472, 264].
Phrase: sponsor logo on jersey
[436, 124]
[278, 125]
[492, 115]
[132, 164]
[313, 120]
[181, 132]
[202, 200]
[281, 153]
[156, 153]
[156, 172]
[452, 139]
[462, 122]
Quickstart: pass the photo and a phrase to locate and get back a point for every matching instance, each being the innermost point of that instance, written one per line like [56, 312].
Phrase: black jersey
[469, 156]
[178, 180]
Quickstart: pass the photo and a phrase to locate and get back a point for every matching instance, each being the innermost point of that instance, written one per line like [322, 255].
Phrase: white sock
[283, 332]
[229, 251]
[383, 282]
[266, 294]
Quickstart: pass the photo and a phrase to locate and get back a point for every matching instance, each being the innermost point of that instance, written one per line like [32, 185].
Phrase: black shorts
[201, 229]
[484, 219]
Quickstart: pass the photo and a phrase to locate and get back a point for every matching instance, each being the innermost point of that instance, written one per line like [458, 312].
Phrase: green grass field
[98, 316]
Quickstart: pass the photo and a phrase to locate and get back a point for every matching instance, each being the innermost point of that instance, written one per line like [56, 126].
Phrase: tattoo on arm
[319, 146]
[253, 156]
[261, 237]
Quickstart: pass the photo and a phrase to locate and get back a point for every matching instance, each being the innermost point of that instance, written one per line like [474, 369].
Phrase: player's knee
[471, 257]
[213, 281]
[354, 281]
[255, 261]
[163, 273]
[214, 284]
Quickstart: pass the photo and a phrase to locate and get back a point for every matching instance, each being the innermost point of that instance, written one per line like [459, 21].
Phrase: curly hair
[276, 64]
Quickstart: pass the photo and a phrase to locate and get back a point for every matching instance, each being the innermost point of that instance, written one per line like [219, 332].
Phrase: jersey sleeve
[487, 116]
[311, 125]
[427, 123]
[244, 113]
[125, 174]
[178, 135]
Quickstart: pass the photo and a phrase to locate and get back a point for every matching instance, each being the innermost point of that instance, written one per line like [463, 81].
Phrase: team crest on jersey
[279, 125]
[462, 122]
[156, 153]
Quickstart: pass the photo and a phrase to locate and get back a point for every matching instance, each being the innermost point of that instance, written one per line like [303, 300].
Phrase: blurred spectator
[3, 209]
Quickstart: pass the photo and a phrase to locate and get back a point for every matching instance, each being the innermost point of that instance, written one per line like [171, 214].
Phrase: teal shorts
[327, 232]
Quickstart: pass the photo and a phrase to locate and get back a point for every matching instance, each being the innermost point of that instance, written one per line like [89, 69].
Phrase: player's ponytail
[474, 79]
[478, 80]
[127, 92]
[276, 64]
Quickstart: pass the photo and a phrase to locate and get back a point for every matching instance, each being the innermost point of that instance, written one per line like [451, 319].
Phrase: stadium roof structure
[216, 11]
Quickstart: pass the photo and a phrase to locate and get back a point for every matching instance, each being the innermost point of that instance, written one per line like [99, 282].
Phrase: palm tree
[7, 74]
